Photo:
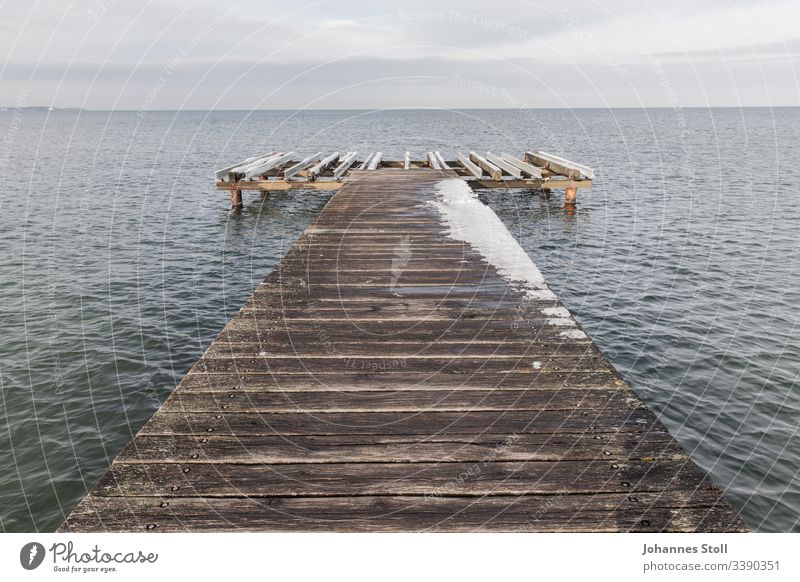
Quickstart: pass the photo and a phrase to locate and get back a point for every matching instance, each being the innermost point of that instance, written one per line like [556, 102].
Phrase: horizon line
[51, 108]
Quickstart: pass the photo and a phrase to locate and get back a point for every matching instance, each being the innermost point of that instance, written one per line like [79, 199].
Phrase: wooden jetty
[280, 171]
[403, 370]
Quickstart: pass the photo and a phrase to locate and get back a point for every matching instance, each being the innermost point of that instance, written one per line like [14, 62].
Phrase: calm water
[120, 263]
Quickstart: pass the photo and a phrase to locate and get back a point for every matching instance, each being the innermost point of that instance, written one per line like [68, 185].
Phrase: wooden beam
[433, 162]
[526, 168]
[266, 166]
[315, 171]
[375, 161]
[442, 163]
[300, 166]
[509, 169]
[279, 185]
[469, 166]
[365, 164]
[254, 162]
[559, 165]
[494, 172]
[223, 173]
[348, 161]
[532, 183]
[407, 163]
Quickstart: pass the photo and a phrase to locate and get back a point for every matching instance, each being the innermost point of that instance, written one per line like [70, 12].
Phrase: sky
[214, 54]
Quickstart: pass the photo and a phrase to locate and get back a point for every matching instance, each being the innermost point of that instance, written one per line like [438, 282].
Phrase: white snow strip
[556, 311]
[471, 221]
[563, 321]
[573, 334]
[540, 295]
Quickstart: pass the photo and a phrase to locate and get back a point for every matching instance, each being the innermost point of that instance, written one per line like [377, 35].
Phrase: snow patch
[556, 311]
[573, 334]
[563, 321]
[470, 220]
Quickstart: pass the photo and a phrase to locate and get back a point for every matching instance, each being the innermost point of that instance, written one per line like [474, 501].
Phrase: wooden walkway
[386, 377]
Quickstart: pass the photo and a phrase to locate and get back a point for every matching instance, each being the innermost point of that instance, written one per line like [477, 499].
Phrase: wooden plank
[323, 165]
[494, 172]
[365, 164]
[399, 423]
[528, 169]
[345, 164]
[433, 161]
[441, 366]
[442, 164]
[364, 381]
[552, 183]
[421, 479]
[510, 169]
[280, 185]
[559, 165]
[224, 172]
[267, 165]
[255, 162]
[469, 166]
[698, 510]
[398, 401]
[302, 165]
[375, 161]
[273, 449]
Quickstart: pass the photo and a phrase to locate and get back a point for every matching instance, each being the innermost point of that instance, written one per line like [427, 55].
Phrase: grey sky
[165, 54]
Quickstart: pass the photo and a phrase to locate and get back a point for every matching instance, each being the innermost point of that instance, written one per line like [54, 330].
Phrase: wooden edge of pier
[405, 368]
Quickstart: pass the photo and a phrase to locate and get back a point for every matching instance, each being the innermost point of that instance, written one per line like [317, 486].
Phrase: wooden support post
[236, 199]
[570, 196]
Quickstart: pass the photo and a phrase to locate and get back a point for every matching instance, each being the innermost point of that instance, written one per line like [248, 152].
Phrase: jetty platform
[405, 368]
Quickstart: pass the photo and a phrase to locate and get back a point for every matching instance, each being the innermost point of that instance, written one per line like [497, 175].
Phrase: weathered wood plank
[559, 165]
[400, 423]
[494, 172]
[397, 448]
[469, 166]
[431, 479]
[529, 169]
[400, 401]
[508, 168]
[324, 164]
[432, 366]
[366, 381]
[267, 164]
[699, 510]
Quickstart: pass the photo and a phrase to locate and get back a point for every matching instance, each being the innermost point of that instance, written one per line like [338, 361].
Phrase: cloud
[775, 50]
[108, 53]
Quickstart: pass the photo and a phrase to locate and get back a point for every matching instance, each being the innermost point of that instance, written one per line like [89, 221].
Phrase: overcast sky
[165, 54]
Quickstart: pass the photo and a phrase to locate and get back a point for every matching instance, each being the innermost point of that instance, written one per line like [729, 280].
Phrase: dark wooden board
[639, 420]
[420, 478]
[675, 511]
[398, 448]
